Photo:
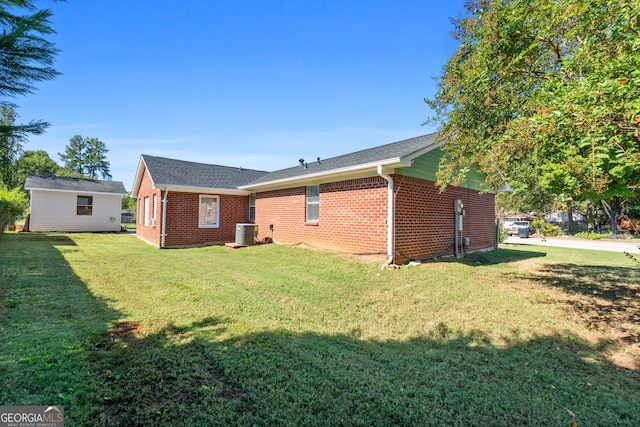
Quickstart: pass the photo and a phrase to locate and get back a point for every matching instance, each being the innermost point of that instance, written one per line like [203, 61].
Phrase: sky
[253, 84]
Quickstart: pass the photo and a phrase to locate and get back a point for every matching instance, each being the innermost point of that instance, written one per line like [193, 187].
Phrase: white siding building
[74, 204]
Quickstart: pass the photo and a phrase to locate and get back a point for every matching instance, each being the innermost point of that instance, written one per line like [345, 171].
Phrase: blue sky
[257, 84]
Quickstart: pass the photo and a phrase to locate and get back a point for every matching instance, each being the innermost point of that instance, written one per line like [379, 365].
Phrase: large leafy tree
[38, 162]
[545, 90]
[86, 157]
[26, 58]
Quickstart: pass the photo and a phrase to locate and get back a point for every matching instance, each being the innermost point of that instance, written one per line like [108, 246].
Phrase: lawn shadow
[63, 345]
[196, 375]
[605, 297]
[46, 315]
[498, 256]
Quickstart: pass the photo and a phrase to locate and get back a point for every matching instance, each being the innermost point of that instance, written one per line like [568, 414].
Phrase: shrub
[591, 235]
[536, 224]
[550, 230]
[13, 204]
[502, 234]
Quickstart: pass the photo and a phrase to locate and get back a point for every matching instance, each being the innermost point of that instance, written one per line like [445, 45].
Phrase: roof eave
[407, 160]
[111, 193]
[142, 166]
[203, 190]
[350, 172]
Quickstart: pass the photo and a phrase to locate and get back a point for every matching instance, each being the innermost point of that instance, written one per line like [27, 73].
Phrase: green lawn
[121, 333]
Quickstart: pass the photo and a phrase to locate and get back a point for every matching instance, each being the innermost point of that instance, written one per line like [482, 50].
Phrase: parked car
[517, 225]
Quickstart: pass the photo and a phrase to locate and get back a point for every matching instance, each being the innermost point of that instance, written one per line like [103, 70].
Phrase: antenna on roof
[318, 160]
[302, 163]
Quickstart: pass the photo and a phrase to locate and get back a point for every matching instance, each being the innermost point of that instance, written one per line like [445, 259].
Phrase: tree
[10, 145]
[27, 58]
[128, 202]
[549, 84]
[37, 162]
[97, 159]
[86, 157]
[13, 204]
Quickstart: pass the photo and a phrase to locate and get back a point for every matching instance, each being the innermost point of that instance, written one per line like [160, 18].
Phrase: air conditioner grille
[246, 234]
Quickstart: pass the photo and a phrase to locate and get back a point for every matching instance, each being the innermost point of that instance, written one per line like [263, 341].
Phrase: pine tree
[27, 58]
[86, 157]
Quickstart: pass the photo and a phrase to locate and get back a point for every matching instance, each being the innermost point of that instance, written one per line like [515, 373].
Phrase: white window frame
[202, 215]
[146, 211]
[252, 207]
[85, 209]
[312, 200]
[153, 206]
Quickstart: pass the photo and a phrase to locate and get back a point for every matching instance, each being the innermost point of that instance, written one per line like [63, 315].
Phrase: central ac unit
[246, 234]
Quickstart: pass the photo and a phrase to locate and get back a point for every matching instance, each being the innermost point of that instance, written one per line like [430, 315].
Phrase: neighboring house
[560, 218]
[380, 201]
[67, 204]
[508, 218]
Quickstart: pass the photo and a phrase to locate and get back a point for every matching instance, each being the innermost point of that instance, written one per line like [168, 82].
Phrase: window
[153, 206]
[313, 203]
[252, 207]
[84, 205]
[146, 211]
[209, 212]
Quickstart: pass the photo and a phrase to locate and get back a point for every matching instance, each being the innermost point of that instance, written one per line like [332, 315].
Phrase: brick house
[380, 201]
[183, 204]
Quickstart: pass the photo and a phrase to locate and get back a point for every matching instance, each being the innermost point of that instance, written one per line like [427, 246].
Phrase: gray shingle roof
[376, 154]
[173, 172]
[63, 183]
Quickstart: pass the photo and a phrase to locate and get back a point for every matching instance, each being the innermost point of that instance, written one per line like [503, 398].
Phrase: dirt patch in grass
[127, 330]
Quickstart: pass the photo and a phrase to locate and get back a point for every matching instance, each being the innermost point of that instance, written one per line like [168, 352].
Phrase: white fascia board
[138, 179]
[74, 191]
[351, 172]
[202, 190]
[408, 159]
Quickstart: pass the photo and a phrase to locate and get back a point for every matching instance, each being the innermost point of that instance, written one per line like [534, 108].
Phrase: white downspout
[390, 217]
[163, 229]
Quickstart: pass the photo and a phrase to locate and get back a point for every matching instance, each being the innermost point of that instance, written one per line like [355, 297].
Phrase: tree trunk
[591, 217]
[570, 226]
[615, 207]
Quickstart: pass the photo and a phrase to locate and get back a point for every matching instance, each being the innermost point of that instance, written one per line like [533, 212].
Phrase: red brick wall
[182, 220]
[352, 216]
[425, 220]
[149, 233]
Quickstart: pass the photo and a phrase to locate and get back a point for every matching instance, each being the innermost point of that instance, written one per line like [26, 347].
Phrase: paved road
[630, 246]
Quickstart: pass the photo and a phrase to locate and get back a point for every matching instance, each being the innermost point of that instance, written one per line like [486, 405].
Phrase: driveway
[631, 246]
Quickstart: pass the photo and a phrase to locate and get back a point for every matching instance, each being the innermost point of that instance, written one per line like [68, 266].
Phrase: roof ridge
[50, 175]
[201, 163]
[376, 147]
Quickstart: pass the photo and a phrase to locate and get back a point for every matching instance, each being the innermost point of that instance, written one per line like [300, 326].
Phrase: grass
[121, 333]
